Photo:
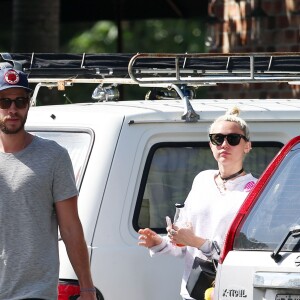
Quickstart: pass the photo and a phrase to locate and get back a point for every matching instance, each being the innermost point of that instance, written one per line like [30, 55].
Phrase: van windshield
[276, 211]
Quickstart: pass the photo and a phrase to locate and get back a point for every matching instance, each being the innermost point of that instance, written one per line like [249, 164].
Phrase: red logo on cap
[11, 77]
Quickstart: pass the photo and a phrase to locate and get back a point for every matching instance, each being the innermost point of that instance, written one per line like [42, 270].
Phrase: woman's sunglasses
[20, 102]
[233, 139]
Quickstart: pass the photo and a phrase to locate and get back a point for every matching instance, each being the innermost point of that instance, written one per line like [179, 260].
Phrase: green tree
[141, 36]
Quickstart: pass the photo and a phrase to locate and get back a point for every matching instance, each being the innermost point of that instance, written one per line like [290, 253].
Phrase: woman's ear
[248, 147]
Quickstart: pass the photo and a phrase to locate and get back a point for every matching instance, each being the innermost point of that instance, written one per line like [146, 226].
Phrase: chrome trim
[277, 280]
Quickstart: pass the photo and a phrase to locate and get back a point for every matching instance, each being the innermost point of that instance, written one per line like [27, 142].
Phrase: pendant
[221, 186]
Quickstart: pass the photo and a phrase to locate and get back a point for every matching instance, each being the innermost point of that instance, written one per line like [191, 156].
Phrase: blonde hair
[232, 115]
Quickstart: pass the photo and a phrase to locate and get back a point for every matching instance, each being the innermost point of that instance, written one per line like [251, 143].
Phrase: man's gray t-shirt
[31, 181]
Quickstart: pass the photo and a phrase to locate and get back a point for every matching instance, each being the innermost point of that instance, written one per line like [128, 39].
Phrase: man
[38, 196]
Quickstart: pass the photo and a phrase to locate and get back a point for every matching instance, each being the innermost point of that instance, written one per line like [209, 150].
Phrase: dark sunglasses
[233, 139]
[20, 102]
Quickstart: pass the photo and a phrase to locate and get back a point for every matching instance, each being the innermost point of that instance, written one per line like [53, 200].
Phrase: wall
[238, 26]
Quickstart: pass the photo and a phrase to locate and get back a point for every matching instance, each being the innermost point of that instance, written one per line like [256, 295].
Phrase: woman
[214, 199]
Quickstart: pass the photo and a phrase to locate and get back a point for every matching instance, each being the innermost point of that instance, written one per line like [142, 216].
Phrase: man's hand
[87, 296]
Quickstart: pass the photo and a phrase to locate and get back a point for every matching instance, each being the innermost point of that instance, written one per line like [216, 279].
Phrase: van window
[78, 145]
[169, 173]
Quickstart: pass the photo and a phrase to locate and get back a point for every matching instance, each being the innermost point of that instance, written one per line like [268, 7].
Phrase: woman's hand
[185, 236]
[148, 238]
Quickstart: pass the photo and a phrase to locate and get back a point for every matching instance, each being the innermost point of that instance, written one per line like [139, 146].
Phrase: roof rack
[206, 69]
[154, 68]
[164, 70]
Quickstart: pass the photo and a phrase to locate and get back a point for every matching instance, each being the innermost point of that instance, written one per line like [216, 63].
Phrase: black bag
[201, 278]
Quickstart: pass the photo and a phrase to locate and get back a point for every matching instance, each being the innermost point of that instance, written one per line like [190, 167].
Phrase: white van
[134, 160]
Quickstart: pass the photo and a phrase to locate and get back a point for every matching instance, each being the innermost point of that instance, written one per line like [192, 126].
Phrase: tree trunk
[36, 25]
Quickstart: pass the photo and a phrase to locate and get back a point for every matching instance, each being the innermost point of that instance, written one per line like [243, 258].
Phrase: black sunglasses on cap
[233, 139]
[20, 102]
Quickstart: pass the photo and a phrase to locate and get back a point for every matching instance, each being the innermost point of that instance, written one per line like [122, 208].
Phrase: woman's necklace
[225, 179]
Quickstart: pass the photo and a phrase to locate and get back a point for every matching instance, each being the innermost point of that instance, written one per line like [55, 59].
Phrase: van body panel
[122, 135]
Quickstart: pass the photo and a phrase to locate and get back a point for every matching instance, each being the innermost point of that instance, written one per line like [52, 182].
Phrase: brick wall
[238, 26]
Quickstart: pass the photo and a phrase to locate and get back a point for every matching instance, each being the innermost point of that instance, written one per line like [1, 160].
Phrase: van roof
[166, 110]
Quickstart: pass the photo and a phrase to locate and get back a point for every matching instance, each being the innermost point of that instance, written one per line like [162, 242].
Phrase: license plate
[287, 297]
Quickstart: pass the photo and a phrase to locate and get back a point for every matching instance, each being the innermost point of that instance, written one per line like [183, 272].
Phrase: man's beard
[6, 130]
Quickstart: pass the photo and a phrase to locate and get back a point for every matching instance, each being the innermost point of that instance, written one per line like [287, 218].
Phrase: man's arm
[72, 234]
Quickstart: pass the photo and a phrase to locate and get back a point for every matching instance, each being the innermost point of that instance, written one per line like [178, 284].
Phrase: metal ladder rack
[207, 69]
[162, 70]
[159, 68]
